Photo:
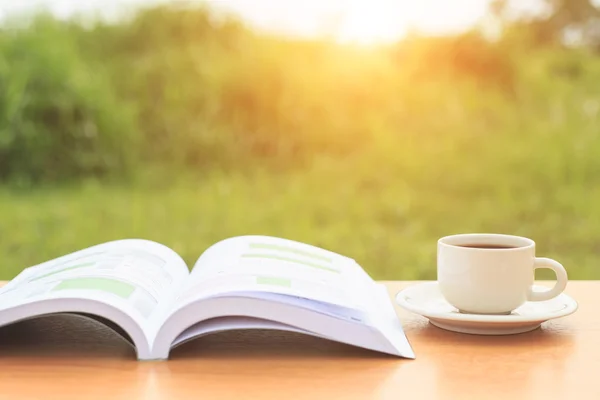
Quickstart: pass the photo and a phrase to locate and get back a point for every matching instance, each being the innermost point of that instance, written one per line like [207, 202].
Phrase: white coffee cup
[488, 280]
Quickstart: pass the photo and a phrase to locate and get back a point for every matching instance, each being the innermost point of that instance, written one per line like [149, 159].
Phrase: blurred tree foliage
[188, 88]
[558, 21]
[59, 118]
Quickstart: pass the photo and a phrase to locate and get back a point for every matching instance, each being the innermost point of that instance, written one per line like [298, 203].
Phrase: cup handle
[559, 286]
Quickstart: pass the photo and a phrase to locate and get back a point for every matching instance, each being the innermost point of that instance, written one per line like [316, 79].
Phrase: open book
[146, 293]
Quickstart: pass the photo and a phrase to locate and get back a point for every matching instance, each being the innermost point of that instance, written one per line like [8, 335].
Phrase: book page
[278, 266]
[137, 276]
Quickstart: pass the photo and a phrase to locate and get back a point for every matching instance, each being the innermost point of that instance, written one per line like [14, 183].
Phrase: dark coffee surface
[487, 246]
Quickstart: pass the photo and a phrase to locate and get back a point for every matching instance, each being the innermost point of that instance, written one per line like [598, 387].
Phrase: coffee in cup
[492, 273]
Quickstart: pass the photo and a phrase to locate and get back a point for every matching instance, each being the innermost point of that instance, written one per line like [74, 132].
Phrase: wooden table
[559, 361]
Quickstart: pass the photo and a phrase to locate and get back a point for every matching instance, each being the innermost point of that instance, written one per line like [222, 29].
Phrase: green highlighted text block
[288, 249]
[108, 285]
[275, 281]
[88, 264]
[292, 260]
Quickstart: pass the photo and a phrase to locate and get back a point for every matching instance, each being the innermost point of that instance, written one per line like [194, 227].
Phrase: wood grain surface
[71, 358]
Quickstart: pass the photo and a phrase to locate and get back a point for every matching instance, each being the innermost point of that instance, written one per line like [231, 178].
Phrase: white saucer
[426, 299]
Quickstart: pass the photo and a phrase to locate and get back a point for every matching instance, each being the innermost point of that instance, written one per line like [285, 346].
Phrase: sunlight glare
[357, 21]
[372, 21]
[376, 21]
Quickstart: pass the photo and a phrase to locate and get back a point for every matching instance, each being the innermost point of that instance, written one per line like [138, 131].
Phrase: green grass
[366, 211]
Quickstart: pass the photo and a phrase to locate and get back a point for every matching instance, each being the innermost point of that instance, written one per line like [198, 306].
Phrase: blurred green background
[177, 126]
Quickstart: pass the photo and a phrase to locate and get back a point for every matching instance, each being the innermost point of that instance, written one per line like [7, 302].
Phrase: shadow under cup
[486, 273]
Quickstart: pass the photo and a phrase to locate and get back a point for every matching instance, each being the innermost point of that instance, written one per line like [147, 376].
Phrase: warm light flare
[358, 21]
[372, 21]
[375, 21]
